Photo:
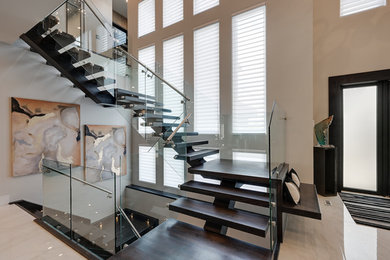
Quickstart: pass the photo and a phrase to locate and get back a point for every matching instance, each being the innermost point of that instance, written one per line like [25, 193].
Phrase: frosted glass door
[360, 138]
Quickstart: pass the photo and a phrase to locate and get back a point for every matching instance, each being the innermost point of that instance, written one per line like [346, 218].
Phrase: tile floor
[335, 237]
[21, 238]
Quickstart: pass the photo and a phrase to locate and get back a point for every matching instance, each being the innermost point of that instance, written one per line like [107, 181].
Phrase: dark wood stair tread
[308, 206]
[125, 92]
[175, 240]
[242, 220]
[137, 100]
[180, 134]
[196, 154]
[191, 143]
[145, 109]
[240, 171]
[236, 194]
[159, 116]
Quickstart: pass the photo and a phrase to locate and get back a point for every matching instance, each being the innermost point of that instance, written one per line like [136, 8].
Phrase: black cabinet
[325, 170]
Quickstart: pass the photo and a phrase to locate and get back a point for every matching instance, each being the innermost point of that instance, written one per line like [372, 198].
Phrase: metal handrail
[177, 128]
[79, 180]
[154, 73]
[100, 18]
[128, 220]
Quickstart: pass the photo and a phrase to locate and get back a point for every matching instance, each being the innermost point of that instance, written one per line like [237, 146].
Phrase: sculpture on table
[321, 130]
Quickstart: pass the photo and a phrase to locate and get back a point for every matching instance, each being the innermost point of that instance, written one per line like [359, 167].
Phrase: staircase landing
[175, 240]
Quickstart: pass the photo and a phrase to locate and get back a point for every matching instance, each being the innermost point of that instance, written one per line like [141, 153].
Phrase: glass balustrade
[95, 206]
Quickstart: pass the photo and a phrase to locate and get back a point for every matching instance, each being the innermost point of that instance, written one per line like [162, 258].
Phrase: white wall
[290, 77]
[346, 45]
[24, 74]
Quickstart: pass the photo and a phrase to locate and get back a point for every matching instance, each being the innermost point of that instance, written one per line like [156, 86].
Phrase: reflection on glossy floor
[21, 238]
[335, 237]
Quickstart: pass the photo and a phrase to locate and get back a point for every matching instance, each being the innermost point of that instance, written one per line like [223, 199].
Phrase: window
[147, 164]
[252, 157]
[198, 177]
[348, 7]
[146, 17]
[173, 65]
[146, 85]
[206, 79]
[203, 5]
[172, 12]
[173, 169]
[249, 77]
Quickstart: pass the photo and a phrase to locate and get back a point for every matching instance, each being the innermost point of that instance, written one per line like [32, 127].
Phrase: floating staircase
[173, 239]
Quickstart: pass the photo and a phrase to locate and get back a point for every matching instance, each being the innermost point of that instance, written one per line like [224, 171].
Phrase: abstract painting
[43, 130]
[105, 152]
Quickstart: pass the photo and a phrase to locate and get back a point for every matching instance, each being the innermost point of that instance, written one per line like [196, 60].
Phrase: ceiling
[120, 6]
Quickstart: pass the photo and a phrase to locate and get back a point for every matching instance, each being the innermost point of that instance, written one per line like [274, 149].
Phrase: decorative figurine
[321, 130]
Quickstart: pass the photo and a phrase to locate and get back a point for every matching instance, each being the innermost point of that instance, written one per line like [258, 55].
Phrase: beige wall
[345, 45]
[289, 62]
[290, 77]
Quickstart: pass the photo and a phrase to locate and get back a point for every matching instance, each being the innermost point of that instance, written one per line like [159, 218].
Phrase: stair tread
[137, 100]
[242, 220]
[179, 134]
[148, 108]
[103, 81]
[236, 194]
[175, 240]
[43, 26]
[63, 39]
[124, 92]
[242, 171]
[191, 143]
[197, 154]
[162, 124]
[159, 116]
[78, 54]
[92, 68]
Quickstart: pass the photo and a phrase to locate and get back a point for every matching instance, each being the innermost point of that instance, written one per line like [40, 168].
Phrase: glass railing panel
[93, 209]
[276, 153]
[57, 196]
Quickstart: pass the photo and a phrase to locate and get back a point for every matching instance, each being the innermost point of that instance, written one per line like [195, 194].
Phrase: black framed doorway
[337, 87]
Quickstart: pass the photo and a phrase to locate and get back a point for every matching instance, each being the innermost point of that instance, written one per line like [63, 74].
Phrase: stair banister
[177, 128]
[155, 74]
[129, 221]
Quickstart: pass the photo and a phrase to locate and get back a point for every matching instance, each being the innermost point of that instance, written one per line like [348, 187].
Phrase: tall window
[173, 55]
[251, 157]
[203, 5]
[348, 7]
[146, 84]
[146, 17]
[206, 79]
[172, 12]
[147, 164]
[173, 169]
[249, 76]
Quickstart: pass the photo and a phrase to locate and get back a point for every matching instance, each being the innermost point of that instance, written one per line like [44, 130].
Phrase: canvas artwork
[43, 130]
[105, 152]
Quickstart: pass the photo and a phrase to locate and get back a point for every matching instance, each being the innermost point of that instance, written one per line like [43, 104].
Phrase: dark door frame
[380, 78]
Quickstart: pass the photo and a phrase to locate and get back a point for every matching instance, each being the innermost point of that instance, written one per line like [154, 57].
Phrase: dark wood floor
[174, 240]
